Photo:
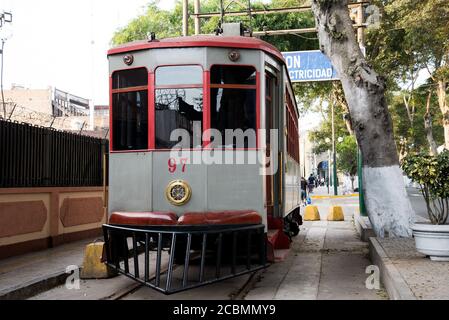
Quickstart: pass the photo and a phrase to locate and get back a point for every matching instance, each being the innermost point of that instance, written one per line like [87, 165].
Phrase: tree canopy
[413, 35]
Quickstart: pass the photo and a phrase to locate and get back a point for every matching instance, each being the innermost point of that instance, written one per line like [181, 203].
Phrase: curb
[363, 226]
[34, 287]
[392, 280]
[335, 197]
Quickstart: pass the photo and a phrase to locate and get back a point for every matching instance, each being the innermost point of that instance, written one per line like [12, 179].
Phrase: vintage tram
[182, 196]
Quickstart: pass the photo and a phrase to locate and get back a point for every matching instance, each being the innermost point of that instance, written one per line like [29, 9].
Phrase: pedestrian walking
[311, 183]
[303, 190]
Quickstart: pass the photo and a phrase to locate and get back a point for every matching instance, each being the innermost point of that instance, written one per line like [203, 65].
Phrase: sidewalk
[324, 193]
[327, 261]
[28, 274]
[407, 274]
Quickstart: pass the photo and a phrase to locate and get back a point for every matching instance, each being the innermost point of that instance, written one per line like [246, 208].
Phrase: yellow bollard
[336, 214]
[312, 214]
[93, 267]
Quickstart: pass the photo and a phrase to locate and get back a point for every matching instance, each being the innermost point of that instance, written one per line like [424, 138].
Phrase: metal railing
[33, 156]
[194, 255]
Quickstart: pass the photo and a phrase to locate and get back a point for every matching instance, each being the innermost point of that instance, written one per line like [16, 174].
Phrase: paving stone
[426, 279]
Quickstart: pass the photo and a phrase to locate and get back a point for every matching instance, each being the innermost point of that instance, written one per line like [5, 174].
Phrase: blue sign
[309, 66]
[324, 165]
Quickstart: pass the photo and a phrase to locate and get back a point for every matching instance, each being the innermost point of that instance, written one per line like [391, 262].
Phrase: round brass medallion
[178, 192]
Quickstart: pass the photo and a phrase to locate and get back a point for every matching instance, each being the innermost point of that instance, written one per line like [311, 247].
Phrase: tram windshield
[179, 105]
[130, 109]
[233, 104]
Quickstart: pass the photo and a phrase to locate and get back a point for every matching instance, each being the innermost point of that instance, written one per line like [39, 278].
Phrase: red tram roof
[200, 41]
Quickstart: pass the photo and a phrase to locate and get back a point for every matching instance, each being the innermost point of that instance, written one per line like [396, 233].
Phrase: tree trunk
[441, 93]
[428, 126]
[386, 199]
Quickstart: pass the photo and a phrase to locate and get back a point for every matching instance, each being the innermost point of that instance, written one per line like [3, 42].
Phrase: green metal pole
[335, 175]
[362, 207]
[334, 151]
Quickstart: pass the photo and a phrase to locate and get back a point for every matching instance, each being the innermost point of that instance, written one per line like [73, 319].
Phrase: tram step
[278, 239]
[281, 254]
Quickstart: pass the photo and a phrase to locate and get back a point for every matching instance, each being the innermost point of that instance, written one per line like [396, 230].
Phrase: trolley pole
[185, 18]
[197, 9]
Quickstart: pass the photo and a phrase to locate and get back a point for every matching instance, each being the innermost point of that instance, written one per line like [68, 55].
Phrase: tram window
[179, 109]
[130, 120]
[179, 75]
[292, 129]
[129, 78]
[179, 105]
[233, 104]
[130, 110]
[233, 75]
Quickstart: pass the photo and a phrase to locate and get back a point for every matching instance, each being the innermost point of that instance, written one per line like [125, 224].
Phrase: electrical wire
[301, 36]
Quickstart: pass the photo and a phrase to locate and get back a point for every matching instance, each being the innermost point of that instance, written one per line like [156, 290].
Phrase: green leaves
[432, 174]
[347, 156]
[429, 171]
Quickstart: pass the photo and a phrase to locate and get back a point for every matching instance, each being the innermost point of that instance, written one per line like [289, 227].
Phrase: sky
[63, 43]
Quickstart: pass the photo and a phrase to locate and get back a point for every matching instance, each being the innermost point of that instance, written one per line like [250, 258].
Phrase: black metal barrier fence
[33, 156]
[177, 258]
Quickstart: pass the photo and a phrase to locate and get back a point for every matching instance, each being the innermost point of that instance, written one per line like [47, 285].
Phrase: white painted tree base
[387, 202]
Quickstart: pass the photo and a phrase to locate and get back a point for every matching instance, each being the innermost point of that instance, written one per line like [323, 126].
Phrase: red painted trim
[206, 106]
[234, 86]
[200, 41]
[130, 151]
[152, 83]
[121, 90]
[110, 114]
[151, 113]
[242, 86]
[130, 89]
[257, 108]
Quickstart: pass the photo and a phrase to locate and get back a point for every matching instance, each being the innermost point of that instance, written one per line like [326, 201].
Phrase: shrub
[432, 175]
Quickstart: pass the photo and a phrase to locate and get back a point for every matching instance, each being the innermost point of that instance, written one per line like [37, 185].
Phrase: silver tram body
[158, 86]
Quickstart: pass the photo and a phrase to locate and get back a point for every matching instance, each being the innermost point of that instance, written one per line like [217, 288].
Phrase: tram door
[273, 192]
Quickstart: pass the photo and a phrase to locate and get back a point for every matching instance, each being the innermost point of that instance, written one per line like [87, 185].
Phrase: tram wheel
[294, 228]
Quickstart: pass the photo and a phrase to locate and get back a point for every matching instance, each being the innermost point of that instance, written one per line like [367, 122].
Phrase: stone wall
[38, 218]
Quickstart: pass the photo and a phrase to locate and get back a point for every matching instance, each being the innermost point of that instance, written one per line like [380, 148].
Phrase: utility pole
[304, 156]
[197, 10]
[92, 70]
[185, 18]
[328, 170]
[4, 17]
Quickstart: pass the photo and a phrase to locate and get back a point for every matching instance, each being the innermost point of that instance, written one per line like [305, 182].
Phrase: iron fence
[195, 255]
[33, 156]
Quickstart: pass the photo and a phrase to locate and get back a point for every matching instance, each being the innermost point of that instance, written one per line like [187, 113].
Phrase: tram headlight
[234, 55]
[178, 192]
[128, 59]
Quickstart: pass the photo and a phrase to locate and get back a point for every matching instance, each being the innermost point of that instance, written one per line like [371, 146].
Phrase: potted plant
[432, 175]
